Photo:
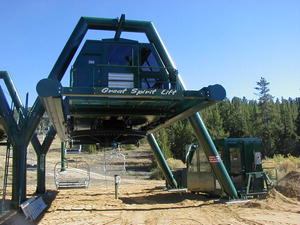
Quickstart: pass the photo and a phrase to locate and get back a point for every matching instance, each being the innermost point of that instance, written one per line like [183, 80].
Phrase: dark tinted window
[120, 55]
[151, 83]
[148, 61]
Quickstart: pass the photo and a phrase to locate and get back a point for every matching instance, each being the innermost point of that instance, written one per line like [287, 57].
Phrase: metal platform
[147, 109]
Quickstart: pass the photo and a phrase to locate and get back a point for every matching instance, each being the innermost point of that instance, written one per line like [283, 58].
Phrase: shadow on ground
[16, 217]
[164, 198]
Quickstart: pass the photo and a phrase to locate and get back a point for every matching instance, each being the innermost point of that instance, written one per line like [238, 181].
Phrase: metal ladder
[7, 174]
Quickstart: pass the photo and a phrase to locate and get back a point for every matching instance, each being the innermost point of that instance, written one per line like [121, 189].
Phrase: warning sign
[214, 159]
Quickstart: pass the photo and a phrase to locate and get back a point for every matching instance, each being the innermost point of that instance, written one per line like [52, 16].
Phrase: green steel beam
[41, 173]
[13, 93]
[41, 161]
[162, 161]
[19, 144]
[19, 151]
[183, 115]
[18, 103]
[48, 140]
[8, 122]
[41, 150]
[195, 120]
[19, 173]
[120, 27]
[213, 156]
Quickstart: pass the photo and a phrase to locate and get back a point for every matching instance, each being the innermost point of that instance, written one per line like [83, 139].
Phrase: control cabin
[117, 66]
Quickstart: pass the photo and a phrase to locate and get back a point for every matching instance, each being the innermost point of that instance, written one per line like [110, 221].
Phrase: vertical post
[41, 152]
[117, 182]
[41, 173]
[26, 102]
[19, 174]
[161, 161]
[63, 157]
[212, 155]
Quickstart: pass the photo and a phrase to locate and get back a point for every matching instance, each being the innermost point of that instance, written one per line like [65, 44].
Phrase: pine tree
[164, 142]
[265, 116]
[253, 118]
[285, 136]
[214, 122]
[297, 124]
[181, 134]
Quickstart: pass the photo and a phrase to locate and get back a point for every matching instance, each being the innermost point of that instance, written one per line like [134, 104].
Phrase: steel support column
[13, 93]
[41, 173]
[19, 173]
[19, 151]
[16, 133]
[195, 120]
[41, 161]
[212, 153]
[161, 161]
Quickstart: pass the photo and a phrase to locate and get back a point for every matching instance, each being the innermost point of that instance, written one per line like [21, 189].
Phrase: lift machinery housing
[120, 91]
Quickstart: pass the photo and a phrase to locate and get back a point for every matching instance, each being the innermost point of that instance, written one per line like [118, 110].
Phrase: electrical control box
[241, 157]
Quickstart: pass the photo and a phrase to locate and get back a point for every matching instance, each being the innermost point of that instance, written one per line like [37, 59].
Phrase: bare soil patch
[289, 185]
[147, 203]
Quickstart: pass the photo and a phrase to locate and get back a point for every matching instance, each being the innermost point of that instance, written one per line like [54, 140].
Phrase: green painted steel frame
[161, 161]
[59, 70]
[268, 183]
[148, 28]
[16, 132]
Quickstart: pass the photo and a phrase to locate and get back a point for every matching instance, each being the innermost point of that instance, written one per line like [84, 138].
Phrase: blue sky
[232, 43]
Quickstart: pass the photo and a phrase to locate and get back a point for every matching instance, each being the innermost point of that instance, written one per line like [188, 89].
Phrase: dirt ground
[148, 203]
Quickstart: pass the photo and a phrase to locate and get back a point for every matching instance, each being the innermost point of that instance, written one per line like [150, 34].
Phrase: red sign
[214, 159]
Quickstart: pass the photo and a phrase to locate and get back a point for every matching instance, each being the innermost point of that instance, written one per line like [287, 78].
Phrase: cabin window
[120, 55]
[151, 83]
[148, 61]
[235, 160]
[204, 165]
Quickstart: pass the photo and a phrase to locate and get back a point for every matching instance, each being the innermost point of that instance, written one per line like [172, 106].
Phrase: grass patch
[283, 164]
[288, 173]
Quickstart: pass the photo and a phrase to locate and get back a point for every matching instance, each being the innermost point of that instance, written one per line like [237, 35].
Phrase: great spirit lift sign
[130, 92]
[138, 92]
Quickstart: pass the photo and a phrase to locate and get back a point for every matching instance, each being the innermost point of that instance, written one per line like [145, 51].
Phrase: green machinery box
[242, 159]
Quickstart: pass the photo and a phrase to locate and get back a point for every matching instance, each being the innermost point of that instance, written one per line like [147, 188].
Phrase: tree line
[276, 122]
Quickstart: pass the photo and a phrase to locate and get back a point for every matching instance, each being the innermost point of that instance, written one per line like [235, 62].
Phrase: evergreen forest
[275, 121]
